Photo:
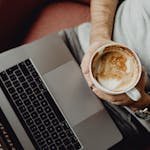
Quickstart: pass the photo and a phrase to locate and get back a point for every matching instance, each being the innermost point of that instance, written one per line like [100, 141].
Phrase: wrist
[99, 38]
[144, 112]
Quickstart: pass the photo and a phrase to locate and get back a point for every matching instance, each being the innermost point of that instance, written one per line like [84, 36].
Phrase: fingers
[88, 79]
[143, 80]
[85, 63]
[121, 99]
[86, 59]
[143, 102]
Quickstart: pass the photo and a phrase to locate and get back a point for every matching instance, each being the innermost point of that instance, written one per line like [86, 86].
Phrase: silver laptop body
[83, 110]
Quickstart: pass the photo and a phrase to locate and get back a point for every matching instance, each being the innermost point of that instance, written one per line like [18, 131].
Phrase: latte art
[116, 69]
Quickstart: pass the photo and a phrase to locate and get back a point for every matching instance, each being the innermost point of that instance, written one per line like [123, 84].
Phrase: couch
[24, 21]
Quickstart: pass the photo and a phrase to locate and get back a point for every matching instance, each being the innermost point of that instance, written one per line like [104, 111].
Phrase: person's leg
[77, 40]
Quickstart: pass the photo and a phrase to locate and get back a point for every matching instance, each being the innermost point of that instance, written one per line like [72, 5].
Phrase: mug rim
[97, 84]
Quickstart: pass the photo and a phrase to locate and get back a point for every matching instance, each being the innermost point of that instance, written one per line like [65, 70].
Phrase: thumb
[86, 59]
[86, 62]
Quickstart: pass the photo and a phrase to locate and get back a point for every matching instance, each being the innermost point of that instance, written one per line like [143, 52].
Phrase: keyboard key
[45, 134]
[49, 141]
[37, 135]
[65, 125]
[24, 69]
[77, 146]
[21, 79]
[58, 142]
[53, 147]
[38, 81]
[11, 90]
[55, 135]
[19, 102]
[47, 122]
[44, 103]
[59, 129]
[54, 106]
[36, 103]
[25, 85]
[8, 84]
[33, 128]
[66, 141]
[41, 127]
[30, 108]
[42, 87]
[41, 141]
[20, 89]
[51, 129]
[4, 76]
[29, 91]
[39, 110]
[30, 68]
[55, 122]
[28, 62]
[29, 121]
[27, 102]
[40, 97]
[34, 115]
[73, 139]
[48, 109]
[36, 91]
[62, 147]
[14, 68]
[70, 133]
[23, 96]
[16, 83]
[33, 85]
[51, 116]
[62, 135]
[70, 147]
[18, 73]
[22, 109]
[38, 121]
[30, 79]
[9, 71]
[32, 97]
[15, 96]
[26, 115]
[45, 147]
[13, 77]
[35, 74]
[43, 116]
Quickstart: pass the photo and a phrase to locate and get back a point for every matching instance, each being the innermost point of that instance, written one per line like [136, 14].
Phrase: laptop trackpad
[71, 92]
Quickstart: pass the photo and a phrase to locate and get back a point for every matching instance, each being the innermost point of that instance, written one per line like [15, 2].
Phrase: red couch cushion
[58, 16]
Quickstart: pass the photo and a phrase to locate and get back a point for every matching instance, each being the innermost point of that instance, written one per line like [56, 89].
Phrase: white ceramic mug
[132, 91]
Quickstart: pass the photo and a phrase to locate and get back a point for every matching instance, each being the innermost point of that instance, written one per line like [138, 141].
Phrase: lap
[127, 123]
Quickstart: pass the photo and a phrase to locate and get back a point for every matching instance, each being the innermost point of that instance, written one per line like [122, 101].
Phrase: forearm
[102, 18]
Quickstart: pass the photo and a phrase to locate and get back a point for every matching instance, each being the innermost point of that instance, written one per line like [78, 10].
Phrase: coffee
[116, 68]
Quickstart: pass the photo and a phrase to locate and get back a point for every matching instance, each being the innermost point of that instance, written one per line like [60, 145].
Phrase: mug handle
[134, 94]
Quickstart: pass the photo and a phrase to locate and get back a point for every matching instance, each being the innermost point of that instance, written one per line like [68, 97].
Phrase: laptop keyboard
[36, 109]
[8, 139]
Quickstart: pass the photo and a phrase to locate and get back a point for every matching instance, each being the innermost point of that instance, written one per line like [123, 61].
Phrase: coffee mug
[116, 69]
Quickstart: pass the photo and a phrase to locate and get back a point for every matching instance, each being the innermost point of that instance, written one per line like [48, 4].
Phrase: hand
[121, 99]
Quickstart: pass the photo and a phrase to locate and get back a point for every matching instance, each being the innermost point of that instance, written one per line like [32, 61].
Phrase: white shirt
[132, 28]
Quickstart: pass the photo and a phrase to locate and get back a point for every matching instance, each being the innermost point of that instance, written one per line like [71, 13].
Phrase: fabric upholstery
[58, 16]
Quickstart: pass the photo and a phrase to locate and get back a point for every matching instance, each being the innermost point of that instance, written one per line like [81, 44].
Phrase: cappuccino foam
[116, 69]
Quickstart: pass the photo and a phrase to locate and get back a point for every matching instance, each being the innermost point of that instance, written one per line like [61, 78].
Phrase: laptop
[46, 103]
